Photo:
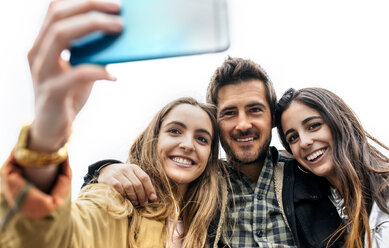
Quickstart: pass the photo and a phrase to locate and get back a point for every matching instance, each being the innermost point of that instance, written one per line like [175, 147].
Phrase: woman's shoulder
[105, 197]
[379, 227]
[378, 217]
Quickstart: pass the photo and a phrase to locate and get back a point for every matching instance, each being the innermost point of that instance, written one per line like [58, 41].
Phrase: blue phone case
[158, 29]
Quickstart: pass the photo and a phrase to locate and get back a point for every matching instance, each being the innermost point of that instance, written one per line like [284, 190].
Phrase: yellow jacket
[98, 218]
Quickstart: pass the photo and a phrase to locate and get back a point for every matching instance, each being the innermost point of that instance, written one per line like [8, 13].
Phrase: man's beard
[232, 158]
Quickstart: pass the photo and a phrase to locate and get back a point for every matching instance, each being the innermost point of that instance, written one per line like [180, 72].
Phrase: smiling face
[184, 144]
[244, 119]
[310, 139]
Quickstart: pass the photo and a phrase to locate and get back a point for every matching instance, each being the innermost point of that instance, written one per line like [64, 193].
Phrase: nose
[243, 122]
[187, 143]
[305, 140]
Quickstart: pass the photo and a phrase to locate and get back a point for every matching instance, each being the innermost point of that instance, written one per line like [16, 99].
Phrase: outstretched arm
[60, 89]
[60, 93]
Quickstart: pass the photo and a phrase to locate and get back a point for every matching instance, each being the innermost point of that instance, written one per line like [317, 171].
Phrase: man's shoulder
[281, 156]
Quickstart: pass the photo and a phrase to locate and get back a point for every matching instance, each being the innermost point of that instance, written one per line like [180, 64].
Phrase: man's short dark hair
[238, 70]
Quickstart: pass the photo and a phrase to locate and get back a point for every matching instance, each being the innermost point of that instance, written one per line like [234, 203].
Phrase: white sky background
[339, 45]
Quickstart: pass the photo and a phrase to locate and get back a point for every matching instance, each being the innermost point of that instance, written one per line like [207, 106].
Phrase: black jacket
[310, 214]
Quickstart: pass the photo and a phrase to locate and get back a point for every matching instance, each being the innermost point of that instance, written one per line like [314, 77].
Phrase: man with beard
[272, 204]
[246, 102]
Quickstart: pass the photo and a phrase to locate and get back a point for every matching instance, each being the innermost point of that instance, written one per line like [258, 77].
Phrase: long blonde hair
[204, 197]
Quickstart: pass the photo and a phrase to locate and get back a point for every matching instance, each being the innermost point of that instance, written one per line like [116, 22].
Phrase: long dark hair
[362, 170]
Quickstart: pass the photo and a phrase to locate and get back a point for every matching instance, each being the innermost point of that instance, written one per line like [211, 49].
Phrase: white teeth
[315, 155]
[182, 160]
[245, 140]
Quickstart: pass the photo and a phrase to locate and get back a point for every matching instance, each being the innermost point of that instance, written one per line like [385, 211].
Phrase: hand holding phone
[158, 29]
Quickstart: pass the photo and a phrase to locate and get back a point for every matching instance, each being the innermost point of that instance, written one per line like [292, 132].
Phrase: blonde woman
[178, 150]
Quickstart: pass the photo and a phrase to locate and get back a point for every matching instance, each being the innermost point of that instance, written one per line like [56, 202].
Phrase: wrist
[36, 157]
[45, 141]
[101, 170]
[94, 170]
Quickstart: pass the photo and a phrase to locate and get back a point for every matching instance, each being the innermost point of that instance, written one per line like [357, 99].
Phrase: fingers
[80, 75]
[60, 10]
[146, 183]
[134, 182]
[139, 185]
[134, 188]
[84, 74]
[78, 81]
[117, 185]
[66, 21]
[53, 115]
[107, 177]
[114, 175]
[62, 33]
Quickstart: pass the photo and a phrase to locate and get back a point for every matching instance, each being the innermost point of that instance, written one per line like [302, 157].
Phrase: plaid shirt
[259, 221]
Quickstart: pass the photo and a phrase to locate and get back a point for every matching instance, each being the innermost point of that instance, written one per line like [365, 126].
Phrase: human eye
[292, 138]
[203, 139]
[227, 113]
[314, 126]
[255, 110]
[174, 131]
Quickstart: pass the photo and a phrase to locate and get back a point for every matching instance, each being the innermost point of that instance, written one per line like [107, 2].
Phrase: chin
[244, 158]
[247, 160]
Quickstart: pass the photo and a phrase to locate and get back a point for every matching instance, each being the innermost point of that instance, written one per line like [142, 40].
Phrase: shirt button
[259, 233]
[259, 197]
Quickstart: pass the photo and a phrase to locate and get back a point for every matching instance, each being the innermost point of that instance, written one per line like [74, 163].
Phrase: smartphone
[158, 29]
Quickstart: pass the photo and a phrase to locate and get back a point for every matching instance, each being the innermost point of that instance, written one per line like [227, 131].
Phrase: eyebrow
[303, 122]
[201, 130]
[289, 131]
[227, 108]
[255, 104]
[247, 106]
[309, 119]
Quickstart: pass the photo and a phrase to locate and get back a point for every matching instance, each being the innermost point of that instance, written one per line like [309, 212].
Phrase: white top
[378, 221]
[177, 242]
[379, 228]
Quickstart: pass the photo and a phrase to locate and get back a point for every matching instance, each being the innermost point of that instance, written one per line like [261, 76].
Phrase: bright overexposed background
[339, 45]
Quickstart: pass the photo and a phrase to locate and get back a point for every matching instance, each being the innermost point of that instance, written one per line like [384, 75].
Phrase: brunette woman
[327, 139]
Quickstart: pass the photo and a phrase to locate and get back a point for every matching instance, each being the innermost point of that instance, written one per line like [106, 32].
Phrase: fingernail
[111, 77]
[118, 2]
[153, 197]
[113, 4]
[116, 24]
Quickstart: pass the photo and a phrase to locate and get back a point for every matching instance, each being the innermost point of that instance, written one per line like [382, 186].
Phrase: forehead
[296, 113]
[189, 115]
[241, 94]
